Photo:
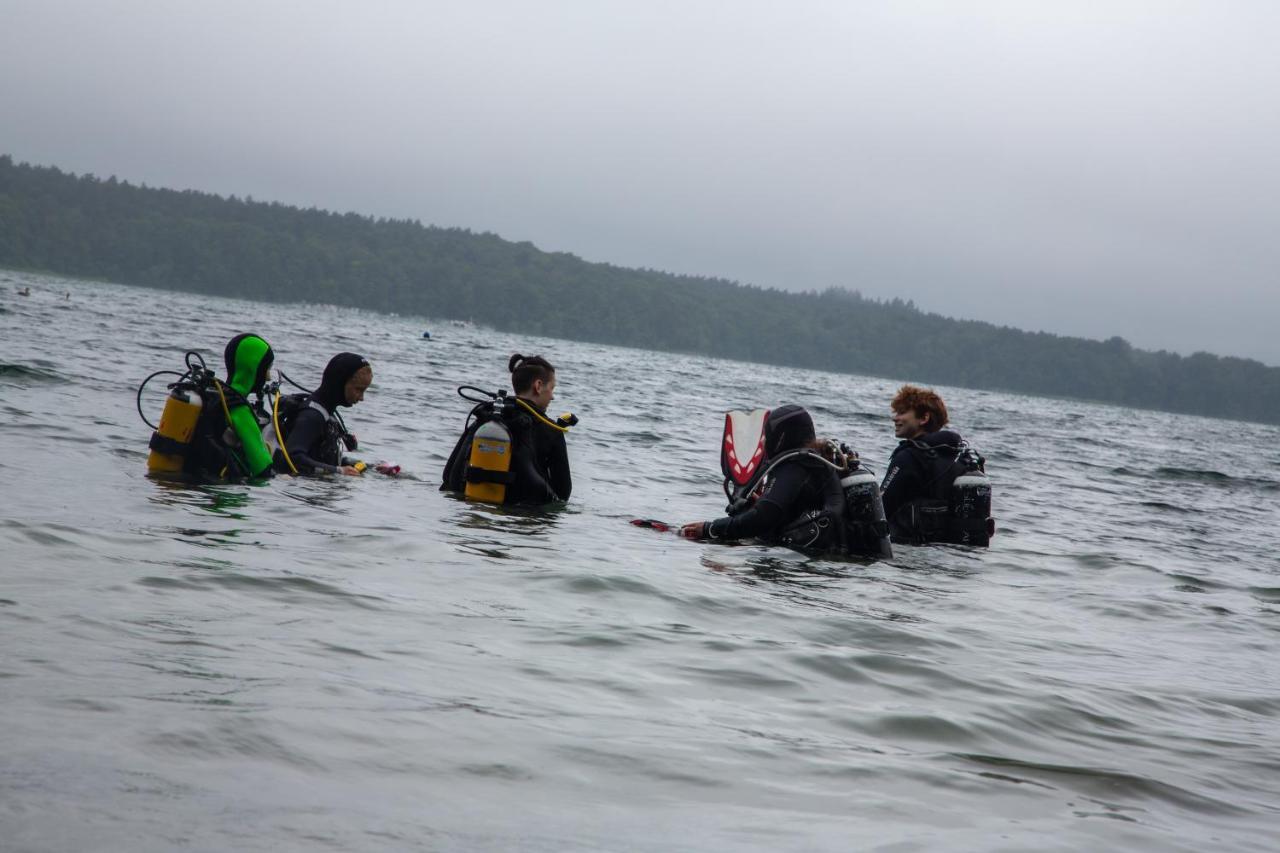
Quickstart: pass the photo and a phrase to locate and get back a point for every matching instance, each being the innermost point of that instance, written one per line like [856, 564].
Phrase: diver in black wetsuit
[797, 485]
[542, 469]
[315, 435]
[922, 470]
[540, 456]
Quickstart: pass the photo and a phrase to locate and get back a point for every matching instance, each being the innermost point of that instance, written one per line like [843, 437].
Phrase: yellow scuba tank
[170, 442]
[489, 469]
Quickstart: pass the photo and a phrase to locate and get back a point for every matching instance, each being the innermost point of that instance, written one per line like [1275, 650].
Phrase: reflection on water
[369, 664]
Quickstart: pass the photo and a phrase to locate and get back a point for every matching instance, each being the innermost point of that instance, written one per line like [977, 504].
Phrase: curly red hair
[921, 401]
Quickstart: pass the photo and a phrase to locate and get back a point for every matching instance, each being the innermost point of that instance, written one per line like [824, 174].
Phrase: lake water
[368, 664]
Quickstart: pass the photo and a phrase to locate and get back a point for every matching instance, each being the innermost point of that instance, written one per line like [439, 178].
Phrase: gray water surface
[368, 664]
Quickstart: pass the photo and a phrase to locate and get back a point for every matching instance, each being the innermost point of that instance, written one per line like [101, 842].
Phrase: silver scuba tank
[970, 506]
[866, 532]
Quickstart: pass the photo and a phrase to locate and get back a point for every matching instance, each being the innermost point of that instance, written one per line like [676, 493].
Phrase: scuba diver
[936, 488]
[209, 428]
[511, 451]
[787, 487]
[313, 432]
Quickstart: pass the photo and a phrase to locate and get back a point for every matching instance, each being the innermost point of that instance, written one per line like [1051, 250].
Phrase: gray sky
[1091, 167]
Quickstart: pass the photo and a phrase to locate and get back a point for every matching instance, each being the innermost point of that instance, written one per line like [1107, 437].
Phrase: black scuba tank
[866, 531]
[969, 502]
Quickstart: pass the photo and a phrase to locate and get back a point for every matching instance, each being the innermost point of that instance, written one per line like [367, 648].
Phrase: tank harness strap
[163, 444]
[480, 475]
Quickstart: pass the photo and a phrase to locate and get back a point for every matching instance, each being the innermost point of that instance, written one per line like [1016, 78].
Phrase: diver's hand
[351, 470]
[696, 530]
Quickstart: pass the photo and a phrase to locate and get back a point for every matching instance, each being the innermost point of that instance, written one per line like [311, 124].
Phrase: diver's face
[908, 424]
[542, 392]
[358, 384]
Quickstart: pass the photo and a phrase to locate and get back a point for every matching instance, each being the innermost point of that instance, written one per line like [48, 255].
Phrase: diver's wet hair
[921, 401]
[526, 371]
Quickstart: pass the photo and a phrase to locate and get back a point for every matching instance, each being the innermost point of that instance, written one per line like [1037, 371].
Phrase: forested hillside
[184, 240]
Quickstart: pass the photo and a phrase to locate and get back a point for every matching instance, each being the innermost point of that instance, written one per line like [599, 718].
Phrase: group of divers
[785, 485]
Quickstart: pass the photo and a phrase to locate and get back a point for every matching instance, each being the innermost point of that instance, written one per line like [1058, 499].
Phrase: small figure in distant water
[935, 488]
[511, 451]
[67, 296]
[787, 487]
[314, 433]
[26, 291]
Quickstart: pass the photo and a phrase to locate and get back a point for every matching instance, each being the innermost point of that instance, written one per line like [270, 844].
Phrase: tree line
[86, 226]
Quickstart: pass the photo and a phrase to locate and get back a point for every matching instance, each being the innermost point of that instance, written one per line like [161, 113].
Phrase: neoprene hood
[248, 358]
[787, 428]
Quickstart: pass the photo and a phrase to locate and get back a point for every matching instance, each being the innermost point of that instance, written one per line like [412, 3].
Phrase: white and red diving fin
[742, 451]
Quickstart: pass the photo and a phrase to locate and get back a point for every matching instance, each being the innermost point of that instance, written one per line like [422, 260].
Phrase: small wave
[1111, 784]
[286, 587]
[24, 374]
[1165, 507]
[231, 739]
[1265, 593]
[1206, 475]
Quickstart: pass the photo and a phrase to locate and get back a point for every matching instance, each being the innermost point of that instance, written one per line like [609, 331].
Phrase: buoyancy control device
[285, 409]
[957, 508]
[851, 520]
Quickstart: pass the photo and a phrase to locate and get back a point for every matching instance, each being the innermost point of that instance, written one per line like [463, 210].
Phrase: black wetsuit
[314, 442]
[539, 462]
[795, 487]
[919, 469]
[315, 437]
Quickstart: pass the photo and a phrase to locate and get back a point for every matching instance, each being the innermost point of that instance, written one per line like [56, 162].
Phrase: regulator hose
[143, 386]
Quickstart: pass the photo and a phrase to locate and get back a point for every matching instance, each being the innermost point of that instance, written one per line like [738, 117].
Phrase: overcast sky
[1091, 167]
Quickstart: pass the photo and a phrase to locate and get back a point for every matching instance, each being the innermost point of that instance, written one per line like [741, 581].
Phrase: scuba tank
[489, 468]
[969, 502]
[866, 531]
[172, 438]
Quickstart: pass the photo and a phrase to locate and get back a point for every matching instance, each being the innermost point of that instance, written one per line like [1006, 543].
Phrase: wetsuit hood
[941, 438]
[248, 358]
[333, 386]
[787, 428]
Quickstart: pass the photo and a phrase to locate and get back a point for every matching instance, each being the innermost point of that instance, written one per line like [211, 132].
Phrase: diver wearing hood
[802, 483]
[228, 443]
[315, 435]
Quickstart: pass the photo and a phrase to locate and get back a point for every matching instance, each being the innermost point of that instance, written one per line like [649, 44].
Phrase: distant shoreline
[92, 229]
